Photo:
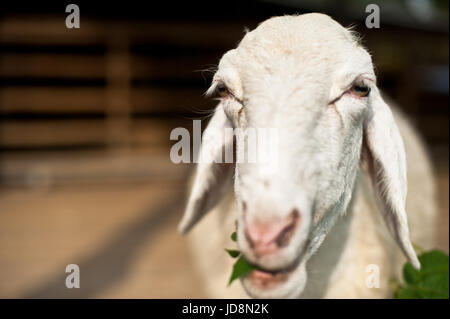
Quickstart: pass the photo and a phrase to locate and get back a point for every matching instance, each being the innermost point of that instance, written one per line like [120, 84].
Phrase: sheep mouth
[267, 279]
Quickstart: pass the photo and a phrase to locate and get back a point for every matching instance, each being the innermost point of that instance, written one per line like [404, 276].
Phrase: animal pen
[85, 120]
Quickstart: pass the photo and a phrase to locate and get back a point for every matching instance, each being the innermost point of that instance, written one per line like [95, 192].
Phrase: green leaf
[430, 282]
[405, 293]
[240, 269]
[410, 274]
[232, 252]
[234, 236]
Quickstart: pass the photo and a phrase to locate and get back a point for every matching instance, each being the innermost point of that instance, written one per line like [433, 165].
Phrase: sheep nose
[268, 237]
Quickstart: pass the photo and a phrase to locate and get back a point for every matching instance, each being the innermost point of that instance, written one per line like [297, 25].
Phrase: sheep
[314, 226]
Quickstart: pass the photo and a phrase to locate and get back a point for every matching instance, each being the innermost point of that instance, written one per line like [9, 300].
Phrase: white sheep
[312, 226]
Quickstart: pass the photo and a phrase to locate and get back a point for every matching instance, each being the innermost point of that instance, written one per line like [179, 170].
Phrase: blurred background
[85, 118]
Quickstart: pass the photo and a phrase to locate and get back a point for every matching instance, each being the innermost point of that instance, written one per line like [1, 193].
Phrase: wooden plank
[89, 100]
[210, 35]
[182, 100]
[40, 65]
[89, 166]
[51, 133]
[154, 132]
[200, 67]
[52, 65]
[52, 99]
[47, 30]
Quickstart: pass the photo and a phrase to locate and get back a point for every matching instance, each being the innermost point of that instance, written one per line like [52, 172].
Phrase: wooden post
[118, 81]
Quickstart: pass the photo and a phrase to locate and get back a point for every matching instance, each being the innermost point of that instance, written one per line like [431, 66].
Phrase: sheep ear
[213, 176]
[384, 156]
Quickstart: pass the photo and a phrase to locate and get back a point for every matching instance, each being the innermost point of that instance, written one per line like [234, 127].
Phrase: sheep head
[310, 79]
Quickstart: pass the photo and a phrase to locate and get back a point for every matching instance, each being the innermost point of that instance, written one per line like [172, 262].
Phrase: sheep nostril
[287, 232]
[244, 207]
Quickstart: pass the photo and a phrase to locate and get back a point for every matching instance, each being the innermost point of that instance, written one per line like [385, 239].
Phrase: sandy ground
[122, 235]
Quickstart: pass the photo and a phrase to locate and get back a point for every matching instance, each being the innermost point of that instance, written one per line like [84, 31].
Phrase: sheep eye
[222, 90]
[360, 90]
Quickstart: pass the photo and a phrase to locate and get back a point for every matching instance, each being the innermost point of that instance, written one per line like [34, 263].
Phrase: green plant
[430, 282]
[241, 267]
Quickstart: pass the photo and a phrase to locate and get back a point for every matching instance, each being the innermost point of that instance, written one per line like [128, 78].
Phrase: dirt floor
[122, 235]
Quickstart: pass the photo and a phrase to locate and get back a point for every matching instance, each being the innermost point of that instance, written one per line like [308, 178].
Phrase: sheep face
[309, 79]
